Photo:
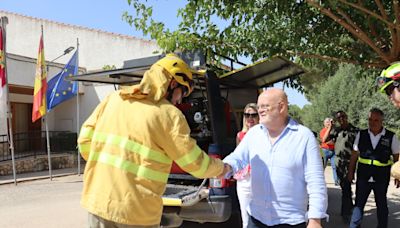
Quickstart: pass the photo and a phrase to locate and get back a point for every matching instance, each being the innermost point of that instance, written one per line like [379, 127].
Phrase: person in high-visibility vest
[130, 142]
[375, 149]
[389, 83]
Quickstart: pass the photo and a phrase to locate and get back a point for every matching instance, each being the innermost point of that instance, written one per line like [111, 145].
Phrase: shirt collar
[291, 125]
[379, 134]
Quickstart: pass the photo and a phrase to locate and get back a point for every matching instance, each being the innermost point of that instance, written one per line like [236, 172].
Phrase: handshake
[225, 172]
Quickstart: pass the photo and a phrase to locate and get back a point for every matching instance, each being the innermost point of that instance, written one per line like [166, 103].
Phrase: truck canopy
[256, 75]
[262, 73]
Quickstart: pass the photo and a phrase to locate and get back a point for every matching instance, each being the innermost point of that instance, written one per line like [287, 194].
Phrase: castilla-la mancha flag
[39, 93]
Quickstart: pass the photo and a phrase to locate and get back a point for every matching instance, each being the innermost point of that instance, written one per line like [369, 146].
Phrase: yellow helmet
[389, 78]
[179, 70]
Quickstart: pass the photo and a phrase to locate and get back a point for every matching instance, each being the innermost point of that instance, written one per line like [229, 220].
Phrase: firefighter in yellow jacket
[389, 84]
[130, 142]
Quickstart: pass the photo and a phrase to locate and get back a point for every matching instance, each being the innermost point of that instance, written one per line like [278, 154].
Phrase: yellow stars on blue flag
[59, 89]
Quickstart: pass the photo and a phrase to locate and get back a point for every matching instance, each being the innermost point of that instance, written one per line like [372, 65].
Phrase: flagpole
[77, 110]
[48, 147]
[47, 130]
[57, 85]
[4, 22]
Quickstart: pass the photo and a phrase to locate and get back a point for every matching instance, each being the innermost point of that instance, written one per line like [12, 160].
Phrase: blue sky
[106, 15]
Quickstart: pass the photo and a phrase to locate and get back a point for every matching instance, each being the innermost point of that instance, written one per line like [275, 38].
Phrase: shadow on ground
[370, 219]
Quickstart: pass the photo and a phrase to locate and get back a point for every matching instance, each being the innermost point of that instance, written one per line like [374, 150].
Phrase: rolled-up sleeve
[239, 158]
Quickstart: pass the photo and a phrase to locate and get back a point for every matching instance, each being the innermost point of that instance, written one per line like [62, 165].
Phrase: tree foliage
[359, 32]
[316, 34]
[352, 90]
[295, 112]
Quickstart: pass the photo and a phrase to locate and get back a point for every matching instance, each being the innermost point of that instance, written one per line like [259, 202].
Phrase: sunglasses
[389, 89]
[252, 115]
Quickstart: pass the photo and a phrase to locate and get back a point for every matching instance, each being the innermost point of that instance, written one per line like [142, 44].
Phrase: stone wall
[40, 163]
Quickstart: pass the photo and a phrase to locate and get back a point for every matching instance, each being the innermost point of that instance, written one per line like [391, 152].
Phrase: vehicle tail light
[217, 183]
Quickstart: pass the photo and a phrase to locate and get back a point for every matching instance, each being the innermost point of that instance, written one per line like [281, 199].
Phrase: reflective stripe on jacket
[129, 142]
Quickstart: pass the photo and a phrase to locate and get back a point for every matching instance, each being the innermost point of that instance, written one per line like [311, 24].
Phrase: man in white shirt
[287, 177]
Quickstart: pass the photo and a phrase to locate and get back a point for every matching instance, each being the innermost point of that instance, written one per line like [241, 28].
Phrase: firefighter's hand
[227, 169]
[397, 183]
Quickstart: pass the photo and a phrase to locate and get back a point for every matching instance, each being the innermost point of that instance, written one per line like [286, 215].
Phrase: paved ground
[42, 203]
[49, 204]
[370, 220]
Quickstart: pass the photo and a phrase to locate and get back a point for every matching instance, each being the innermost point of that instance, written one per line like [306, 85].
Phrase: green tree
[316, 34]
[359, 32]
[296, 113]
[352, 90]
[109, 67]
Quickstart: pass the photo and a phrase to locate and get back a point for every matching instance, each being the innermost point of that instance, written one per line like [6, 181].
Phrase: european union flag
[59, 89]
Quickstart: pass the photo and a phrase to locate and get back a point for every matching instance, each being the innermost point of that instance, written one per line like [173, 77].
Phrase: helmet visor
[387, 85]
[383, 82]
[389, 89]
[187, 87]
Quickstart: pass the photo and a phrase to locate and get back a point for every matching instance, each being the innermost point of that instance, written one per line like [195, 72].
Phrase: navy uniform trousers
[376, 178]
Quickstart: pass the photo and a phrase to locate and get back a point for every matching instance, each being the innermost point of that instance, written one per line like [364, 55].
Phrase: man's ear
[173, 84]
[282, 106]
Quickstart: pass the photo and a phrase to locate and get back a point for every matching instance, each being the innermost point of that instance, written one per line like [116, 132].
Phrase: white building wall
[96, 49]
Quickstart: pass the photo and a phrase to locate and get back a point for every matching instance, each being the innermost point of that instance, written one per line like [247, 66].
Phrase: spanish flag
[39, 93]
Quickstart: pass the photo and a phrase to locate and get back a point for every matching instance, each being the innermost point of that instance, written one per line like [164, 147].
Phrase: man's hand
[350, 176]
[227, 169]
[330, 124]
[352, 165]
[397, 183]
[314, 223]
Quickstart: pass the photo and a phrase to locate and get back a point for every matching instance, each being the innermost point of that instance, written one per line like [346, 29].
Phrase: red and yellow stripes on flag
[39, 93]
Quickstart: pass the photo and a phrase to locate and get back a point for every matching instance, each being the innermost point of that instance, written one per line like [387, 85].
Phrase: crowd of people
[372, 151]
[277, 161]
[284, 155]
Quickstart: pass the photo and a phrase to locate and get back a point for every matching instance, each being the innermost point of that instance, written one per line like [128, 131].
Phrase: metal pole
[77, 109]
[47, 127]
[77, 129]
[4, 22]
[66, 51]
[48, 147]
